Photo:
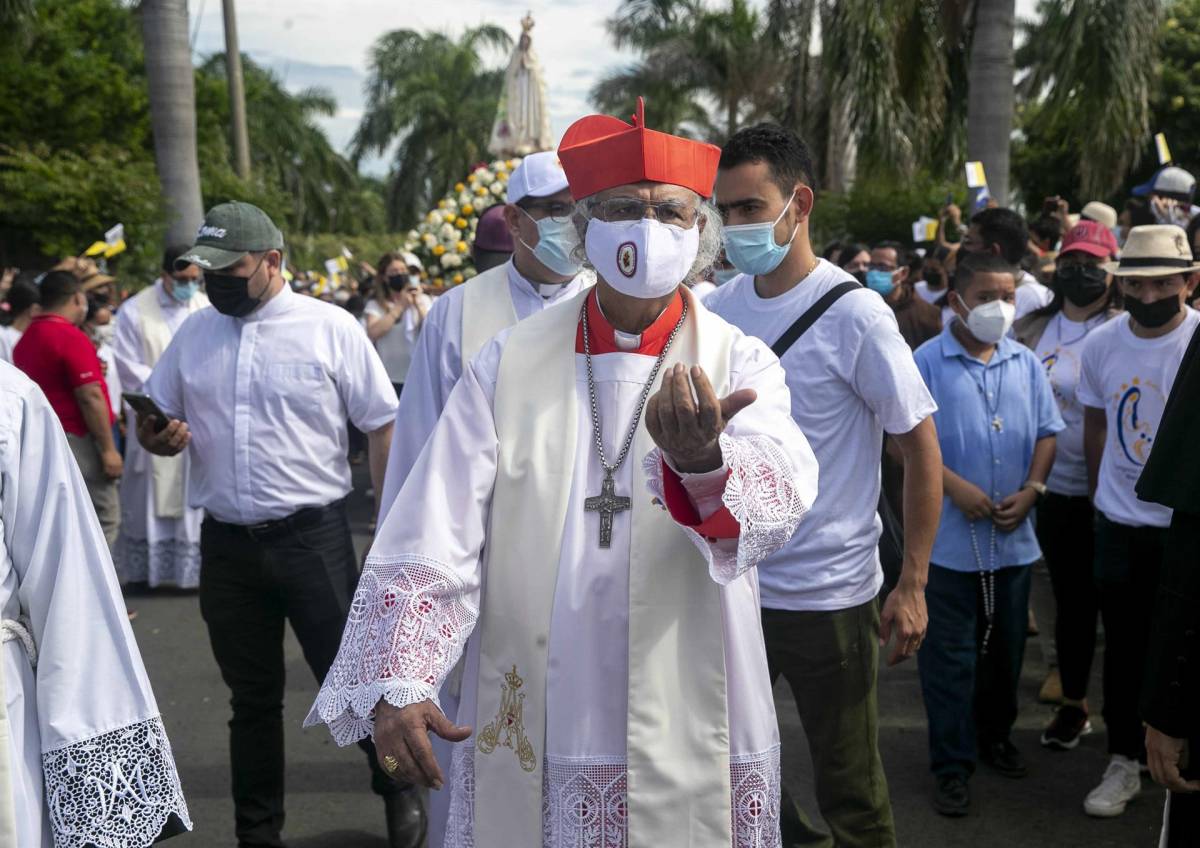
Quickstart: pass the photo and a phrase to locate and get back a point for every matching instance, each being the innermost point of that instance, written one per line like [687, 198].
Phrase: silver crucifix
[607, 504]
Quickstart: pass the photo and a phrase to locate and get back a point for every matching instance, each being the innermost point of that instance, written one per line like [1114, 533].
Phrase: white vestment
[159, 541]
[418, 602]
[84, 758]
[445, 344]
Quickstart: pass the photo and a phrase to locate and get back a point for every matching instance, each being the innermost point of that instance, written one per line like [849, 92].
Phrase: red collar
[55, 318]
[603, 340]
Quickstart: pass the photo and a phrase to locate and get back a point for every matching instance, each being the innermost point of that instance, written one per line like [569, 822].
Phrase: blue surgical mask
[752, 248]
[183, 292]
[881, 281]
[557, 243]
[721, 276]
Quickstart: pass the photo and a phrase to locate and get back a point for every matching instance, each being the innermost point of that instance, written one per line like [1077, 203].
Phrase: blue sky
[318, 42]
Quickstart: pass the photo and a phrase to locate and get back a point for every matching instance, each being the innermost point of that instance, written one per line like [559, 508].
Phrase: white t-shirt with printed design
[1059, 350]
[1130, 379]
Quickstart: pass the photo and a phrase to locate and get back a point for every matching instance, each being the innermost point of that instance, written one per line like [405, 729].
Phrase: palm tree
[171, 83]
[990, 93]
[437, 99]
[1091, 67]
[291, 151]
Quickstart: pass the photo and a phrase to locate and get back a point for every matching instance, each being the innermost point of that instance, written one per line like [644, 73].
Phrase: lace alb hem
[171, 562]
[584, 801]
[407, 627]
[759, 493]
[115, 790]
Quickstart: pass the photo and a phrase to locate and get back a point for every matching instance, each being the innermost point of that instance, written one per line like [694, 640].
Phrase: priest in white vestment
[584, 524]
[84, 758]
[544, 270]
[159, 541]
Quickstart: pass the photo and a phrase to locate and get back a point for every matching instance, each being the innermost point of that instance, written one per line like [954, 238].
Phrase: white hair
[711, 238]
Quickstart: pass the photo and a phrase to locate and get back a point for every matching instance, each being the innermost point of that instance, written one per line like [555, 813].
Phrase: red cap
[1090, 237]
[600, 152]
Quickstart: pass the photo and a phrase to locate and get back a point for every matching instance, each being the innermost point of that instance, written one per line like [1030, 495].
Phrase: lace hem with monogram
[584, 801]
[407, 626]
[761, 496]
[115, 789]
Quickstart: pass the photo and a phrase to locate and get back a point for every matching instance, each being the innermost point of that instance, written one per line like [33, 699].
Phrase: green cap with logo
[230, 231]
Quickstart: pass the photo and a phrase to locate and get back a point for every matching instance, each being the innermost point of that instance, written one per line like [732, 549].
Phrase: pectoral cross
[607, 504]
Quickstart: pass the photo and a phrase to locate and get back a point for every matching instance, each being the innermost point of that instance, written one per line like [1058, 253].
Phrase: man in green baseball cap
[241, 252]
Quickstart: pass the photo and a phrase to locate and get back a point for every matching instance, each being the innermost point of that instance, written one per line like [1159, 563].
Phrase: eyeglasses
[558, 212]
[634, 209]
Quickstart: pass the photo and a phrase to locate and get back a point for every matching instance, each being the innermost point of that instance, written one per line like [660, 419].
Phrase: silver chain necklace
[987, 583]
[607, 503]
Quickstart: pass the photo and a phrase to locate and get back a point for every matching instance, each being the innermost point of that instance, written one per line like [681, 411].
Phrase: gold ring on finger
[390, 764]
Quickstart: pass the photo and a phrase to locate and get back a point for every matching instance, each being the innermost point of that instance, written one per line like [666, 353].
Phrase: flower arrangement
[443, 239]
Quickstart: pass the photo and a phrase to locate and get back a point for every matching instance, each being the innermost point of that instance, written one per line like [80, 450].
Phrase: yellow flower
[437, 281]
[459, 186]
[481, 190]
[461, 247]
[441, 204]
[471, 178]
[431, 217]
[502, 176]
[458, 278]
[439, 249]
[468, 209]
[461, 223]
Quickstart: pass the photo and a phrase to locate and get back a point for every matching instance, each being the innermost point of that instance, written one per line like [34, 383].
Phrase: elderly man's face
[669, 204]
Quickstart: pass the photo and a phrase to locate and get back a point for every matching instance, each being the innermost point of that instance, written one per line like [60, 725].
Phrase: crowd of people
[655, 410]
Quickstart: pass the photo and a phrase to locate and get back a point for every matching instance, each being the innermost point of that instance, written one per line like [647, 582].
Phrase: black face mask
[230, 294]
[935, 279]
[397, 282]
[861, 276]
[1081, 284]
[1154, 314]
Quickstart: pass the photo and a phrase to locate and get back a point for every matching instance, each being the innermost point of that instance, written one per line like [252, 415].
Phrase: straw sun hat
[1155, 250]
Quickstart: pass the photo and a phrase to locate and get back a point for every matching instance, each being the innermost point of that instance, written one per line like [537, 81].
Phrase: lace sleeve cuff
[407, 627]
[118, 788]
[759, 493]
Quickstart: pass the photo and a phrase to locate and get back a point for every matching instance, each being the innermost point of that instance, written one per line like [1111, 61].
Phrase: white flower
[497, 188]
[448, 232]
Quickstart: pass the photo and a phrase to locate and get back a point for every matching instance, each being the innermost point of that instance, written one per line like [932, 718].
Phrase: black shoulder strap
[810, 316]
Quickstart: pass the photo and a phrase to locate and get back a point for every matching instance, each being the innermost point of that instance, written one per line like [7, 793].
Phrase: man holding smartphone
[260, 388]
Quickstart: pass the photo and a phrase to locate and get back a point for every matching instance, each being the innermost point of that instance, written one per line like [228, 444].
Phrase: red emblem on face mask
[627, 259]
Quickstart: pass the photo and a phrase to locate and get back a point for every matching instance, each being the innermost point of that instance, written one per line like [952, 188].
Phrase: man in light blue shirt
[996, 422]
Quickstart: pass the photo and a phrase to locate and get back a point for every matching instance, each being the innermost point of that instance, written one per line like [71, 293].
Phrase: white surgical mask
[990, 322]
[643, 258]
[556, 245]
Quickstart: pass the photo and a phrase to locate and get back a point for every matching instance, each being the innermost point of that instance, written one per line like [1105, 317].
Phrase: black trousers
[1128, 561]
[1183, 821]
[305, 573]
[1066, 534]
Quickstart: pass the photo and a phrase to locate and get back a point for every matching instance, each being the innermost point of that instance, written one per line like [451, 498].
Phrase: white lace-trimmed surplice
[419, 597]
[84, 758]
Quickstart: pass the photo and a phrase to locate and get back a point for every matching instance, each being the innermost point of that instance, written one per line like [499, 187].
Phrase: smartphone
[144, 405]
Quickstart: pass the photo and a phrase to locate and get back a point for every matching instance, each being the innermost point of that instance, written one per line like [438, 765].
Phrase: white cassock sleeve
[130, 351]
[109, 775]
[434, 371]
[769, 473]
[418, 597]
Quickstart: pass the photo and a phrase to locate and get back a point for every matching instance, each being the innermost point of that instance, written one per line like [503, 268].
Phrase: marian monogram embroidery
[508, 728]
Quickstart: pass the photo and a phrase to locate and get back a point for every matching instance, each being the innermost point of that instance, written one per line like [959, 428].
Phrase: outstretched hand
[686, 426]
[402, 741]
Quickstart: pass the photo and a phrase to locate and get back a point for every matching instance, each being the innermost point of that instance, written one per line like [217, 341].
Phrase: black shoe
[1070, 723]
[1004, 758]
[406, 822]
[951, 795]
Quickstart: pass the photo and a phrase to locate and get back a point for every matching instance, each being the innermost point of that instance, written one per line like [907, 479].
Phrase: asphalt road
[330, 804]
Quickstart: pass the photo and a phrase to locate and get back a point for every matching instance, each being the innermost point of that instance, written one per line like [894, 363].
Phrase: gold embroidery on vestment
[508, 728]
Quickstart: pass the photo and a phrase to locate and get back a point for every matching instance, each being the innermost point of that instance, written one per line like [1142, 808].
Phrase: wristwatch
[1040, 488]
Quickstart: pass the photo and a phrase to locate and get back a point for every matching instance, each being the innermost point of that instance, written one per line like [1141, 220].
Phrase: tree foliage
[434, 99]
[76, 148]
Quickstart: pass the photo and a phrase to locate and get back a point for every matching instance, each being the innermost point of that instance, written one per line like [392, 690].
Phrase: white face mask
[644, 258]
[990, 322]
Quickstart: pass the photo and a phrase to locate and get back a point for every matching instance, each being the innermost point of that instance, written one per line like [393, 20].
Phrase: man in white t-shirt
[852, 379]
[1128, 367]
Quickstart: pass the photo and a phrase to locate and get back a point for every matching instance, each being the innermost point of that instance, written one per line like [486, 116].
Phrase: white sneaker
[1121, 784]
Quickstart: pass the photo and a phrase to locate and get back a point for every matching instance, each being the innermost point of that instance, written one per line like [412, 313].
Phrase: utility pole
[237, 92]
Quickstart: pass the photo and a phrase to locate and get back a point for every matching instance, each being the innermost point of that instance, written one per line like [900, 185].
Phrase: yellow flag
[1164, 152]
[975, 176]
[113, 249]
[97, 248]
